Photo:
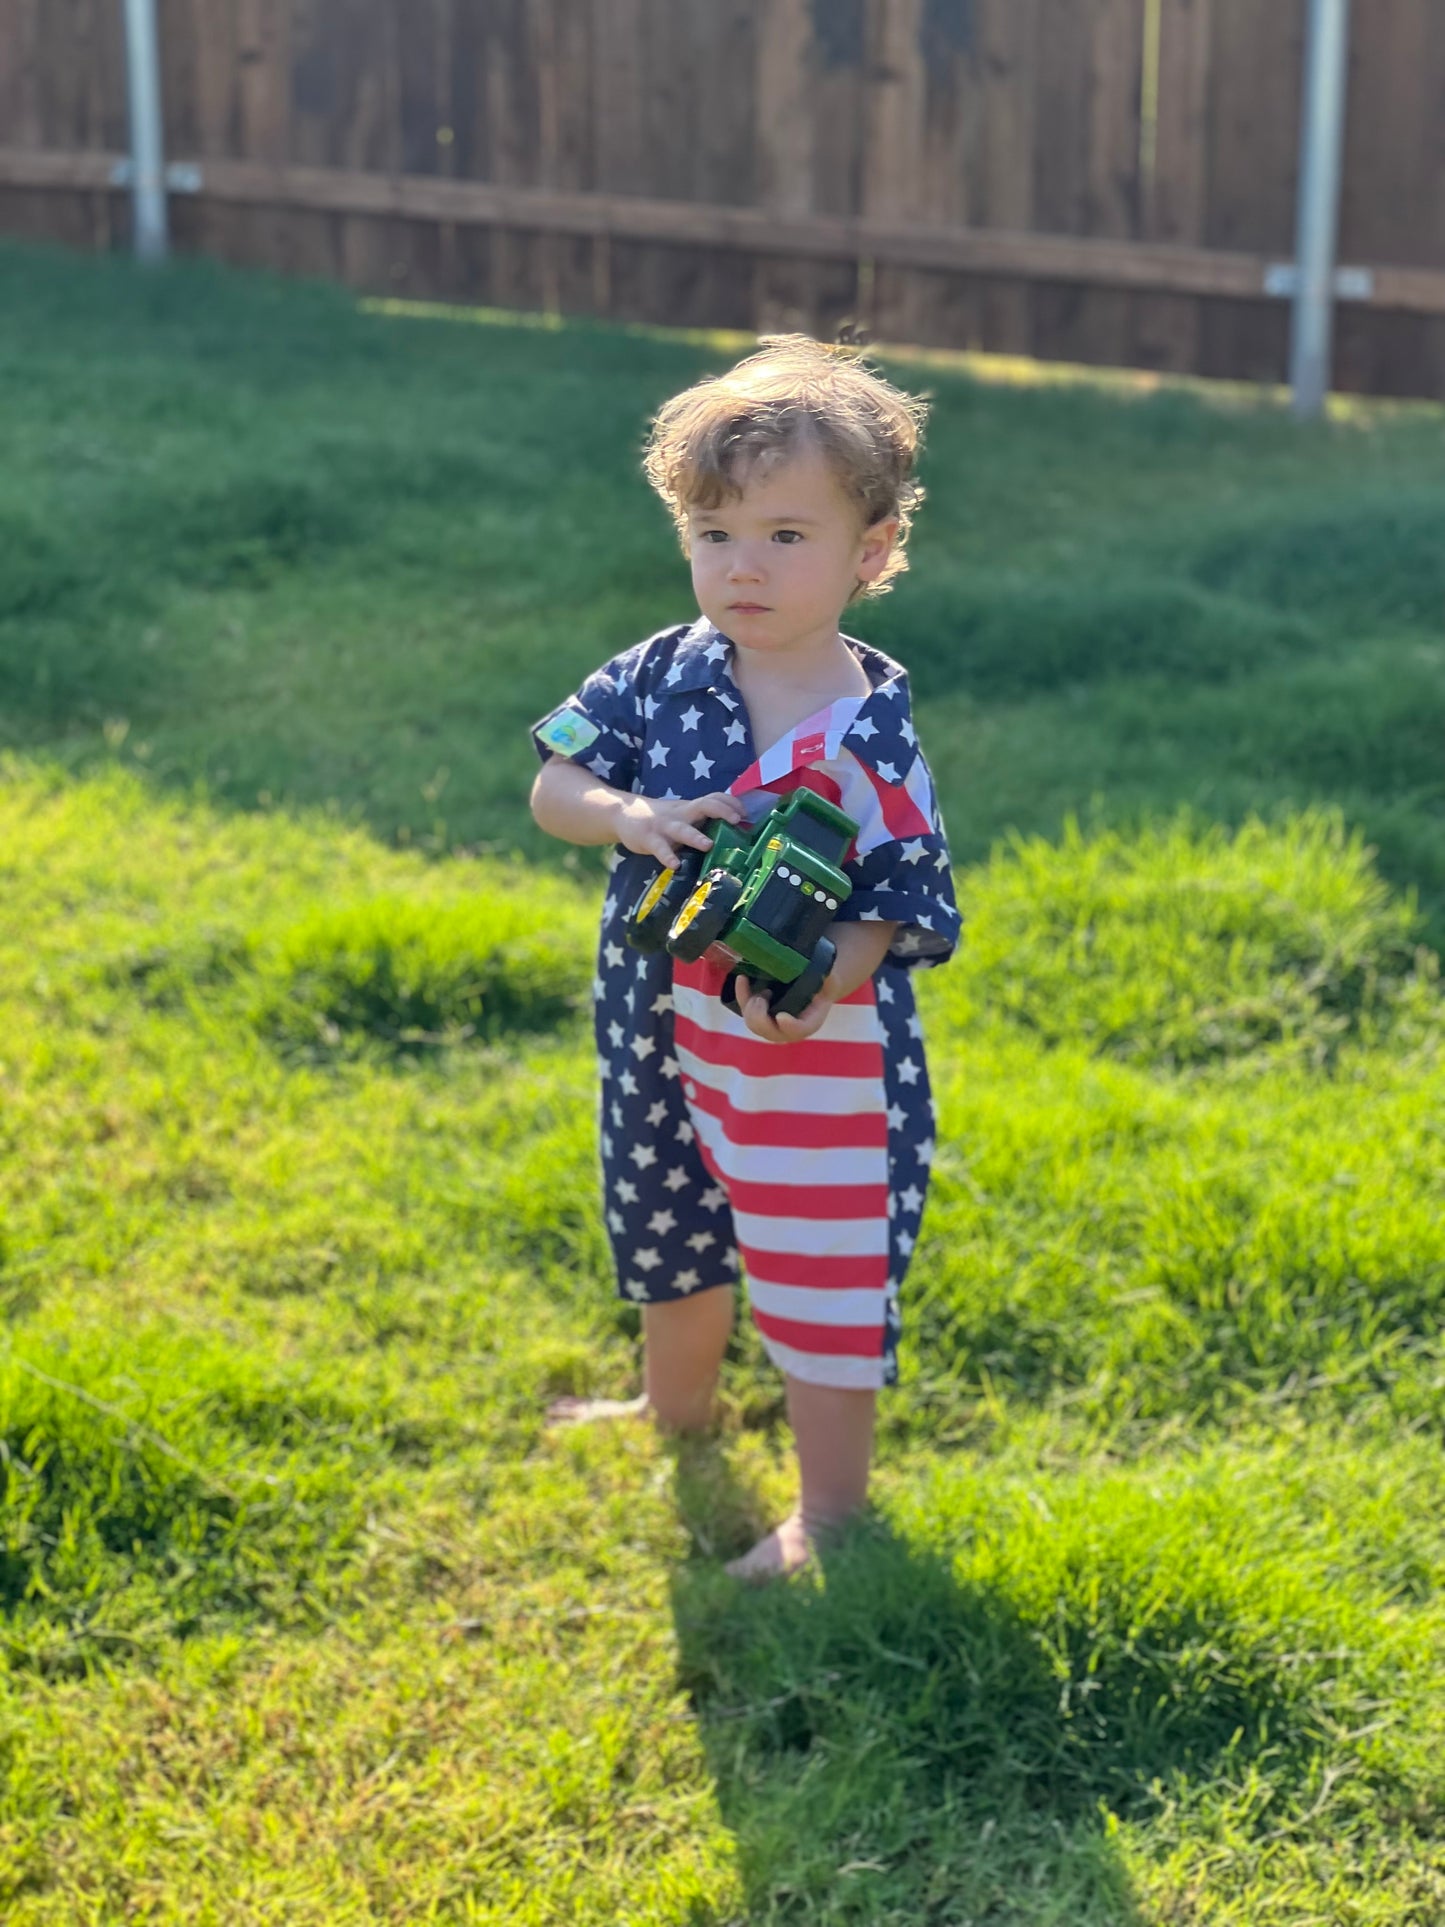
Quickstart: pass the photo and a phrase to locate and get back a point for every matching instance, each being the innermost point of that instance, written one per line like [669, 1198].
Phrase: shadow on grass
[892, 1743]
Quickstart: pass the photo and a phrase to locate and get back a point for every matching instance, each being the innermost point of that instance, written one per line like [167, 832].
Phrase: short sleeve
[909, 884]
[599, 728]
[907, 879]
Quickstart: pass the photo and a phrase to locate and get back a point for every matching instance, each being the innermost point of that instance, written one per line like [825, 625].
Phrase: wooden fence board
[1393, 201]
[1009, 139]
[20, 73]
[948, 307]
[1087, 166]
[672, 82]
[57, 72]
[618, 148]
[892, 153]
[180, 94]
[469, 266]
[24, 212]
[785, 292]
[509, 157]
[573, 164]
[837, 82]
[60, 96]
[828, 292]
[719, 137]
[1256, 57]
[969, 172]
[366, 134]
[1132, 265]
[263, 101]
[1166, 333]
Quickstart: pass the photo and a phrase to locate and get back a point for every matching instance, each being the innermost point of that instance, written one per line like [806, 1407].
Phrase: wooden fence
[1090, 180]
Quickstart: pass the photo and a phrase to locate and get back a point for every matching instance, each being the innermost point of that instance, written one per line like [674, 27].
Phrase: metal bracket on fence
[181, 177]
[1350, 284]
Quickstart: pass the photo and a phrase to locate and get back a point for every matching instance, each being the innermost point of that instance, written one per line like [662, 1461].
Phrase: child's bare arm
[861, 948]
[571, 803]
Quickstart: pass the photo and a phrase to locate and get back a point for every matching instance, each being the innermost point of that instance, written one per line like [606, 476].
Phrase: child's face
[773, 568]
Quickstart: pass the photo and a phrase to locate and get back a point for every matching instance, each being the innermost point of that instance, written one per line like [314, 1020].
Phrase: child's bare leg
[833, 1430]
[683, 1345]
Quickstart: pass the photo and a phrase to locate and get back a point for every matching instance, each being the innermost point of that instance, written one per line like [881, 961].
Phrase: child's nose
[744, 563]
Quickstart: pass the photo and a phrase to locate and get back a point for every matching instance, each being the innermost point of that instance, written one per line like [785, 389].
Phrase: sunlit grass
[1149, 1608]
[306, 1619]
[255, 536]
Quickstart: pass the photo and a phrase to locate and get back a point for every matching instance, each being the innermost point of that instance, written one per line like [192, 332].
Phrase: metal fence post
[148, 163]
[1322, 137]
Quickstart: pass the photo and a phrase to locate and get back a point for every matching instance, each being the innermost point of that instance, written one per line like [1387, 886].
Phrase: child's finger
[658, 846]
[693, 838]
[747, 998]
[761, 1021]
[717, 804]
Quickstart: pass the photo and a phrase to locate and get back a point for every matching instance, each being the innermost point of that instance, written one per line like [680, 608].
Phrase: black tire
[728, 995]
[651, 915]
[704, 916]
[791, 1000]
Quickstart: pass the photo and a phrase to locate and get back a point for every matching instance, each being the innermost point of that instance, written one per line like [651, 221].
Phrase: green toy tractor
[760, 899]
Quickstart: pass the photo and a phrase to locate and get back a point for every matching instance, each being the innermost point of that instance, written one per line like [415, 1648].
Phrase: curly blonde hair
[793, 392]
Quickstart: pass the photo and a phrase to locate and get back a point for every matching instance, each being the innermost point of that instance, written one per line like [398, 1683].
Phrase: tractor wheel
[704, 917]
[794, 998]
[660, 899]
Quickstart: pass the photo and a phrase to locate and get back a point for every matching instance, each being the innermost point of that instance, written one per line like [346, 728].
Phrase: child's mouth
[748, 608]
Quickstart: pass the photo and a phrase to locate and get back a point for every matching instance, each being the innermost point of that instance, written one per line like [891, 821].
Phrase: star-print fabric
[808, 1160]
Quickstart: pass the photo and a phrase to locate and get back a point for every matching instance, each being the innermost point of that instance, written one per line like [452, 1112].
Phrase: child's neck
[782, 687]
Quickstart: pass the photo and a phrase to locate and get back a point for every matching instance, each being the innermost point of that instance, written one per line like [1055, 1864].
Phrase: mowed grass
[306, 1618]
[253, 537]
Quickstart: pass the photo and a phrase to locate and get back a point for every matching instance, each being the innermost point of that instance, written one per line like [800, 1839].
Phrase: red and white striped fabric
[813, 756]
[797, 1136]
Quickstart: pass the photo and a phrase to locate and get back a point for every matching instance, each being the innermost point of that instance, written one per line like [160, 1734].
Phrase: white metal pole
[147, 151]
[1322, 139]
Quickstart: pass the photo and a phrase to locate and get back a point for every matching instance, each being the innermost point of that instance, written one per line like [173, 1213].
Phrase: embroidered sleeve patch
[568, 731]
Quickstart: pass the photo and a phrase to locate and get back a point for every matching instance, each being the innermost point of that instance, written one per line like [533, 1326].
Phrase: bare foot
[582, 1411]
[786, 1549]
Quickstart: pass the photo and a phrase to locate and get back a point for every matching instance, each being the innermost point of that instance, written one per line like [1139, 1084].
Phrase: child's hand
[655, 826]
[782, 1029]
[860, 948]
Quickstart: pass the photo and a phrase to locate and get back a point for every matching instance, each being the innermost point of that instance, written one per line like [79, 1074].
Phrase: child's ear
[878, 543]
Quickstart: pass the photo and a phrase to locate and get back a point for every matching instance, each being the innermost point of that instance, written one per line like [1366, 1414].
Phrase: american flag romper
[810, 1160]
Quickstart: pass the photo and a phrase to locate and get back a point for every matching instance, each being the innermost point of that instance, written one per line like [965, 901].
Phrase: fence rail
[1098, 180]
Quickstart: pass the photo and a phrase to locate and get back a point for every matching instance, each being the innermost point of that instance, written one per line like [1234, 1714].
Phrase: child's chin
[764, 631]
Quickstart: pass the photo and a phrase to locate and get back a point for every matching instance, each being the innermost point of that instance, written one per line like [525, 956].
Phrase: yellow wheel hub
[654, 893]
[690, 909]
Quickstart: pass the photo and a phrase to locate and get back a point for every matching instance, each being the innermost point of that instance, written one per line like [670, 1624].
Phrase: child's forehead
[790, 482]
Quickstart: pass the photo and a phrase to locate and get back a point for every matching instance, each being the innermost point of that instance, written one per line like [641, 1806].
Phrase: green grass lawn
[306, 1619]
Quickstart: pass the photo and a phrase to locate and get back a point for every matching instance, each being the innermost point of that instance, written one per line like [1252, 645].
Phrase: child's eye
[787, 535]
[714, 535]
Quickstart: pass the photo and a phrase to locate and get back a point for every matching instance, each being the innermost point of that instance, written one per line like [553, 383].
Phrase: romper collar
[880, 735]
